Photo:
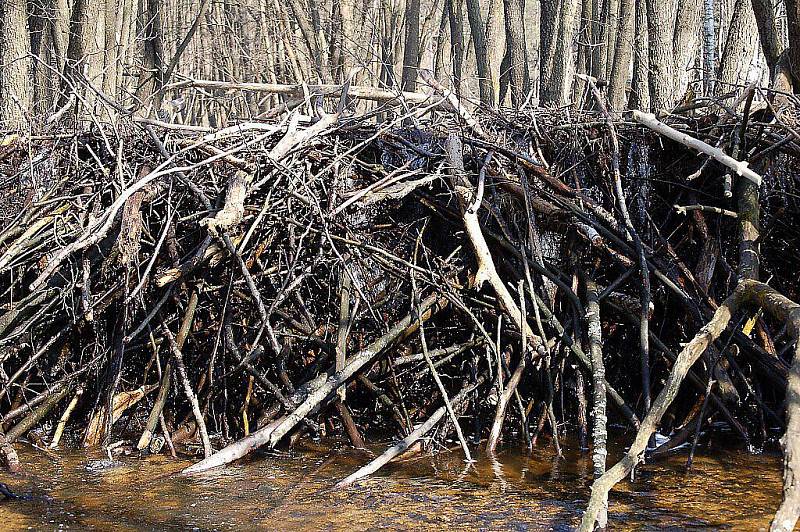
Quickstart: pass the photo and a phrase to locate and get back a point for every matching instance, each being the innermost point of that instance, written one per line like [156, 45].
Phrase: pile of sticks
[417, 270]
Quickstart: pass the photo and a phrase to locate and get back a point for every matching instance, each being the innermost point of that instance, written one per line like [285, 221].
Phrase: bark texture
[16, 90]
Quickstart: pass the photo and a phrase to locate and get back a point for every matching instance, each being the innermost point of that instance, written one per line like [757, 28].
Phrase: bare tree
[603, 55]
[660, 54]
[350, 37]
[709, 46]
[793, 22]
[739, 46]
[514, 43]
[558, 87]
[685, 39]
[312, 37]
[640, 85]
[548, 30]
[495, 41]
[619, 73]
[456, 18]
[771, 44]
[151, 78]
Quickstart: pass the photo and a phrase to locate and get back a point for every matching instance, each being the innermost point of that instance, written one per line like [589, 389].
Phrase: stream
[726, 489]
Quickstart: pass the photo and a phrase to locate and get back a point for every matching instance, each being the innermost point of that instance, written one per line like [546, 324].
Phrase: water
[727, 489]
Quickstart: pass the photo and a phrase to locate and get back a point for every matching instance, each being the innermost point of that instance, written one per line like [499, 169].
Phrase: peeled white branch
[781, 308]
[740, 167]
[402, 446]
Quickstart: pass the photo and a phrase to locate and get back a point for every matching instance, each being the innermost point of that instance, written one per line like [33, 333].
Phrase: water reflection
[513, 490]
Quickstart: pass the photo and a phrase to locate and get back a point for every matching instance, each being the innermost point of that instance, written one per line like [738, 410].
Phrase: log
[301, 90]
[599, 418]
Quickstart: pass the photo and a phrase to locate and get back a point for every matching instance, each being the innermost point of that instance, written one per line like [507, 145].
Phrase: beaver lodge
[481, 277]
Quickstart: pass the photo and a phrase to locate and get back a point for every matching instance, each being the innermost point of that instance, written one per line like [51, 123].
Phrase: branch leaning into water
[272, 433]
[402, 446]
[780, 307]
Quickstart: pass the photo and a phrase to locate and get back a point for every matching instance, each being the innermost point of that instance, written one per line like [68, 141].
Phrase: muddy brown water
[727, 489]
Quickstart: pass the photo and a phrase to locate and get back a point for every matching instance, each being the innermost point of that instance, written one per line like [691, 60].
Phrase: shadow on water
[515, 491]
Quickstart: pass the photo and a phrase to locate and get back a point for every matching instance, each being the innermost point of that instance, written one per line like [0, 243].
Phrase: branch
[324, 90]
[740, 167]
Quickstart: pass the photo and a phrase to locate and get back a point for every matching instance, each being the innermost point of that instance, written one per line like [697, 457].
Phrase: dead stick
[166, 376]
[431, 366]
[275, 431]
[510, 388]
[740, 167]
[187, 388]
[62, 422]
[599, 434]
[401, 446]
[747, 291]
[37, 415]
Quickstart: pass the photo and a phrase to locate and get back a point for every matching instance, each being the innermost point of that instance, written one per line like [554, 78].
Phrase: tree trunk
[495, 42]
[86, 48]
[687, 24]
[151, 78]
[311, 38]
[584, 38]
[548, 39]
[611, 21]
[771, 43]
[709, 47]
[481, 54]
[41, 48]
[640, 93]
[605, 38]
[793, 23]
[411, 50]
[518, 65]
[456, 16]
[557, 89]
[16, 89]
[113, 16]
[620, 69]
[739, 47]
[599, 433]
[350, 35]
[660, 54]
